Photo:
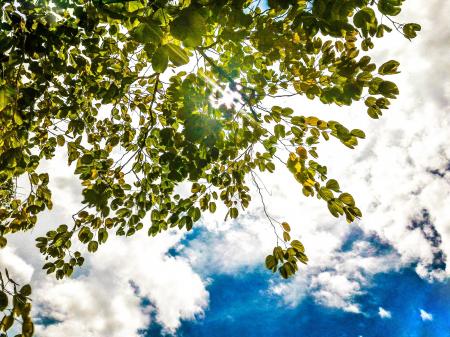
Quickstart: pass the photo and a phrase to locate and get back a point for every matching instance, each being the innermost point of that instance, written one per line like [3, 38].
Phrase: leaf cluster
[128, 90]
[15, 306]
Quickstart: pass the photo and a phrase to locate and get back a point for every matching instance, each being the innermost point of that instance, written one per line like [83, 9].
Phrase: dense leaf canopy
[134, 92]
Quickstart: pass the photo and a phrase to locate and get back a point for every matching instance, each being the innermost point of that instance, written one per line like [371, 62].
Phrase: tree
[133, 91]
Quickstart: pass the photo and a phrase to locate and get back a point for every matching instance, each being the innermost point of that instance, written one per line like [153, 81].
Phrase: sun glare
[226, 97]
[222, 96]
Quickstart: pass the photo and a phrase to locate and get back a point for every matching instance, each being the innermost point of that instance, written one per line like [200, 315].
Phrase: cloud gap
[424, 224]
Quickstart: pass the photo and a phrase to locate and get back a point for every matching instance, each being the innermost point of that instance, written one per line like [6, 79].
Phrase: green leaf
[18, 119]
[25, 290]
[93, 246]
[189, 27]
[302, 258]
[85, 234]
[5, 97]
[283, 272]
[389, 68]
[388, 89]
[60, 140]
[212, 207]
[7, 322]
[298, 246]
[286, 226]
[196, 187]
[177, 55]
[290, 268]
[410, 30]
[102, 235]
[335, 209]
[133, 6]
[3, 241]
[332, 184]
[180, 26]
[278, 253]
[279, 131]
[358, 133]
[195, 214]
[147, 32]
[271, 262]
[160, 60]
[347, 199]
[389, 7]
[326, 193]
[364, 19]
[234, 212]
[87, 159]
[27, 328]
[3, 300]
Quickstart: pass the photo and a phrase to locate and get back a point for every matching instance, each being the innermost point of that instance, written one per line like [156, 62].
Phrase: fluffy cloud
[168, 282]
[425, 316]
[100, 306]
[19, 270]
[383, 313]
[108, 301]
[336, 281]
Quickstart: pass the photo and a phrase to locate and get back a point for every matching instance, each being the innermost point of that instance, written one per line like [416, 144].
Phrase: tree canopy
[136, 93]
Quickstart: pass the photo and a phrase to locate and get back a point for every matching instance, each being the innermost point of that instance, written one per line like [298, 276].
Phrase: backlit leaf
[160, 59]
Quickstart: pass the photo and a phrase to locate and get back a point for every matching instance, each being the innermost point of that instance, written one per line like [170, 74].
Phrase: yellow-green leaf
[160, 60]
[347, 199]
[177, 55]
[148, 33]
[286, 226]
[271, 262]
[389, 68]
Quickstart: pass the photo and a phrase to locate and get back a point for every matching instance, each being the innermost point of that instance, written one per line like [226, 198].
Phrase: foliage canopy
[133, 91]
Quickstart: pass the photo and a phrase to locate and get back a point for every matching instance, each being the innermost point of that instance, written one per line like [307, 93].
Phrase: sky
[385, 275]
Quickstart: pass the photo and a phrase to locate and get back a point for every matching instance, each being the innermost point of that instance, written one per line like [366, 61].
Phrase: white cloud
[337, 281]
[426, 316]
[383, 313]
[107, 301]
[98, 306]
[231, 248]
[19, 270]
[169, 282]
[334, 290]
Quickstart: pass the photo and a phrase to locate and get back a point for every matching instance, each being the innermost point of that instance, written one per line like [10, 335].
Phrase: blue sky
[242, 305]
